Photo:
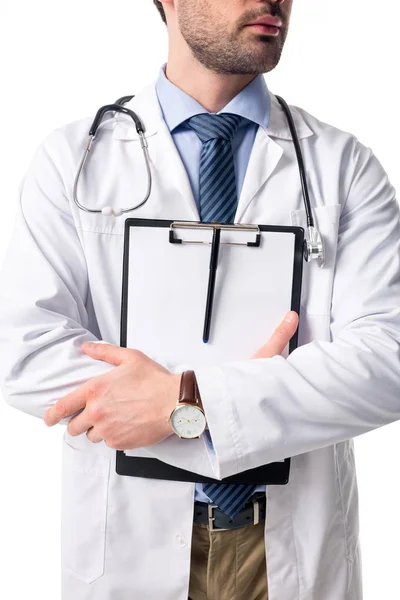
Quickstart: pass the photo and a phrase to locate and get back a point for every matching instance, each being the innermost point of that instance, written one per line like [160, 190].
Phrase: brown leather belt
[216, 519]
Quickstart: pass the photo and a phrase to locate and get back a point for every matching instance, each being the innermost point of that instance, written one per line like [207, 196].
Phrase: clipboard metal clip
[231, 227]
[215, 244]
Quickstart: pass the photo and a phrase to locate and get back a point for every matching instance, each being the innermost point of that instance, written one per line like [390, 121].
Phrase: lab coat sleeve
[267, 409]
[44, 296]
[264, 410]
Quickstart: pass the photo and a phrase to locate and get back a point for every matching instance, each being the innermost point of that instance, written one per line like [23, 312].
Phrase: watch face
[188, 421]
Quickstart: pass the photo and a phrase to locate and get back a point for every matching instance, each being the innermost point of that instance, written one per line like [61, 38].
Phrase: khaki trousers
[228, 565]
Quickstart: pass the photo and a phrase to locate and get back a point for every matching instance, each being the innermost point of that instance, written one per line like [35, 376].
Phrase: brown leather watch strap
[189, 391]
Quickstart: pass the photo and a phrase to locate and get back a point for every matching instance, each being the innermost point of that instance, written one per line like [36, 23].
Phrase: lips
[268, 21]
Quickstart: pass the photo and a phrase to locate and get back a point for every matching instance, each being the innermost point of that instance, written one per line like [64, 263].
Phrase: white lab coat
[129, 538]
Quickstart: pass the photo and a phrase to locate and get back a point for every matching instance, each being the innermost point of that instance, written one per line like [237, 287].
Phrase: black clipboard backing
[276, 473]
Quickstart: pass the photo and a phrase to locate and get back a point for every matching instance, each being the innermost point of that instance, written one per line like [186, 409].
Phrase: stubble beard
[232, 53]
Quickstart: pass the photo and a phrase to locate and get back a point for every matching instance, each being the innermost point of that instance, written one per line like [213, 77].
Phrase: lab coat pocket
[317, 282]
[84, 512]
[99, 223]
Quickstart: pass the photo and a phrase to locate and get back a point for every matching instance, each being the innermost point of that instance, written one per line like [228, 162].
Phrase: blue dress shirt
[177, 106]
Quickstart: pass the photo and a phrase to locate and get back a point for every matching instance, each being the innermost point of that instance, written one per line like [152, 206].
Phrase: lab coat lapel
[168, 164]
[264, 158]
[266, 153]
[169, 172]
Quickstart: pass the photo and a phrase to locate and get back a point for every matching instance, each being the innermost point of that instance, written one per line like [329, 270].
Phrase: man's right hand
[280, 338]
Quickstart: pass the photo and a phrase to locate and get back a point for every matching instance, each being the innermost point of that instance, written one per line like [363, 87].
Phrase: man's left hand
[128, 407]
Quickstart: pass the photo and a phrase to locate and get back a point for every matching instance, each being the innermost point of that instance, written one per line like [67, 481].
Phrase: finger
[280, 337]
[67, 405]
[114, 355]
[93, 436]
[80, 423]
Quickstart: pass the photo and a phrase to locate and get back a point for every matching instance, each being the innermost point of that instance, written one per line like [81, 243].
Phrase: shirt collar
[252, 102]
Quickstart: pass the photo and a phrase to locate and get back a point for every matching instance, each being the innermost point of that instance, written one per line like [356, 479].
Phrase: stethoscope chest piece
[314, 247]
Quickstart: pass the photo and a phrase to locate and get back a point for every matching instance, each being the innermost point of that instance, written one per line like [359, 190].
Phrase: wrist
[173, 394]
[188, 419]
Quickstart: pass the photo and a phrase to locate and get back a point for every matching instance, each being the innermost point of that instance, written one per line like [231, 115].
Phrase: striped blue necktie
[218, 196]
[218, 202]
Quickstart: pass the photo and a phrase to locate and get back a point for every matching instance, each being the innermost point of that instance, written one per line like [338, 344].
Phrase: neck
[211, 90]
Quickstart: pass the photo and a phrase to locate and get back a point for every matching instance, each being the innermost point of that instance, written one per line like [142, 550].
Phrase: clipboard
[164, 296]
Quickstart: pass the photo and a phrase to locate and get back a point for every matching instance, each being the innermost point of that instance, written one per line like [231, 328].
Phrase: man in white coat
[132, 538]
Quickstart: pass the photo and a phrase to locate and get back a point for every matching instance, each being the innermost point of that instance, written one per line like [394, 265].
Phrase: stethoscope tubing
[314, 246]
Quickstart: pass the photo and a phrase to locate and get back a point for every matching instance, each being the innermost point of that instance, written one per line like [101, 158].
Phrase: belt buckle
[211, 519]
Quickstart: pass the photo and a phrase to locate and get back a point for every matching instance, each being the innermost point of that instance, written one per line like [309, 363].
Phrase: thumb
[280, 337]
[101, 350]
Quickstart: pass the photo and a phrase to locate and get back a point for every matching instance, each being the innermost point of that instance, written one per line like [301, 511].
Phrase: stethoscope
[313, 247]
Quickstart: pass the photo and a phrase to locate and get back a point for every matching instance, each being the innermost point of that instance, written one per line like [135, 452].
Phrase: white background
[60, 61]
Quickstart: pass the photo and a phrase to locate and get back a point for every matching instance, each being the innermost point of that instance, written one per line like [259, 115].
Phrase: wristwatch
[187, 419]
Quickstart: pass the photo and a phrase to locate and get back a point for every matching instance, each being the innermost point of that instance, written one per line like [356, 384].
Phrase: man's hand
[129, 407]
